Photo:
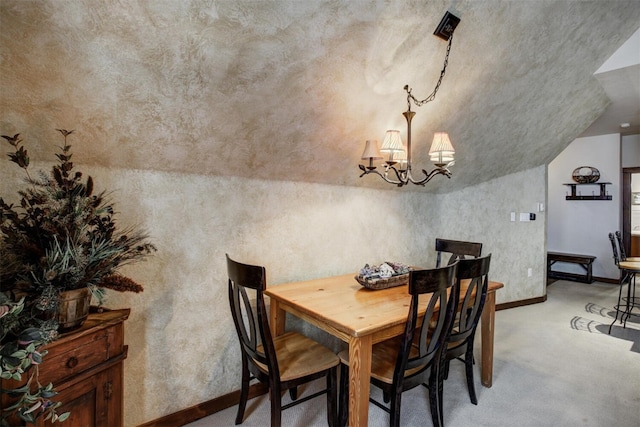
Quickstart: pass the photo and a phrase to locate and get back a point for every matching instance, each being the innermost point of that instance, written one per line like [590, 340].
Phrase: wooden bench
[584, 261]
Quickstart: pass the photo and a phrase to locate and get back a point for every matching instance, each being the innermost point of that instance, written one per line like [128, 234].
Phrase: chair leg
[394, 410]
[293, 393]
[617, 307]
[332, 397]
[244, 391]
[446, 369]
[343, 409]
[631, 296]
[434, 404]
[440, 388]
[276, 405]
[468, 364]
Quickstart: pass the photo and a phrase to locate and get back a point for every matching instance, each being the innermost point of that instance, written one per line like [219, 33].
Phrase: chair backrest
[623, 254]
[246, 298]
[476, 273]
[612, 239]
[458, 250]
[434, 328]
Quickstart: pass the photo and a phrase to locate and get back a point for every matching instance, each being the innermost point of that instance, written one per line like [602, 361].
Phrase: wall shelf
[601, 196]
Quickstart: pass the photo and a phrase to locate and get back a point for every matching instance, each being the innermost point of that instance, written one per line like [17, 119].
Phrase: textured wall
[190, 85]
[182, 348]
[482, 213]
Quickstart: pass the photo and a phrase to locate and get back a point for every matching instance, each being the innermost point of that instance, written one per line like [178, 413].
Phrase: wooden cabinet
[86, 368]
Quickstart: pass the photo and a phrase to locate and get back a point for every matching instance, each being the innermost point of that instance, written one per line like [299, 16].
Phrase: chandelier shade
[392, 142]
[371, 150]
[441, 151]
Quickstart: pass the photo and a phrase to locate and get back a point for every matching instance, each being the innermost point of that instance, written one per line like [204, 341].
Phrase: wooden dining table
[362, 317]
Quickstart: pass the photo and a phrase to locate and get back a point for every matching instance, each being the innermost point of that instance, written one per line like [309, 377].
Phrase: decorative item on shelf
[59, 238]
[398, 167]
[585, 175]
[383, 276]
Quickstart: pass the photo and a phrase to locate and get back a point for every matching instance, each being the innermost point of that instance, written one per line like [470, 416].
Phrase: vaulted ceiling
[290, 90]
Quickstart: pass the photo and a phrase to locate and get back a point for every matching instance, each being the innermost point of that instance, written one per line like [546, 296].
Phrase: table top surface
[629, 265]
[342, 303]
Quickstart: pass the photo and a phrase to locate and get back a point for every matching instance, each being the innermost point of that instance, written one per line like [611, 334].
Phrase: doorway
[631, 211]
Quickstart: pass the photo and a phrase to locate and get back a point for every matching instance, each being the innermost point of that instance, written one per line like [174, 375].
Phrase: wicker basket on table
[383, 283]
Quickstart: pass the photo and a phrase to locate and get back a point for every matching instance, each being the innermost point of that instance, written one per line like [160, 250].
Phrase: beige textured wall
[182, 347]
[482, 213]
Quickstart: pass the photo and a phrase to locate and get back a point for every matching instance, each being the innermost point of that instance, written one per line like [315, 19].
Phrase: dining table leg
[277, 318]
[359, 373]
[487, 332]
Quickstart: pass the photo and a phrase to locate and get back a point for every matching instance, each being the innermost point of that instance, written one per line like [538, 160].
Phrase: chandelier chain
[431, 97]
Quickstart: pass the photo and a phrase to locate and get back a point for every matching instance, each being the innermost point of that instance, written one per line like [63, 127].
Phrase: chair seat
[456, 348]
[383, 359]
[299, 356]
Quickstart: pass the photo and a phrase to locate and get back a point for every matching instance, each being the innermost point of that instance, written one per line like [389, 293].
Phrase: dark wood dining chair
[402, 363]
[284, 362]
[473, 279]
[458, 249]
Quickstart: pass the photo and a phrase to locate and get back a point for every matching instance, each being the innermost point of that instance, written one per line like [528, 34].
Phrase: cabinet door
[93, 402]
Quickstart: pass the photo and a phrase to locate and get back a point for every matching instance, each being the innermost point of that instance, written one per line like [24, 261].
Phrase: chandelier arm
[432, 96]
[409, 178]
[428, 176]
[401, 179]
[383, 176]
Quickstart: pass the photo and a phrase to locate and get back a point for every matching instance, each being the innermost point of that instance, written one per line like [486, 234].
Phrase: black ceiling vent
[447, 26]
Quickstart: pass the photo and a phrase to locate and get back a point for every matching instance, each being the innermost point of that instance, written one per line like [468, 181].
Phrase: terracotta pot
[74, 308]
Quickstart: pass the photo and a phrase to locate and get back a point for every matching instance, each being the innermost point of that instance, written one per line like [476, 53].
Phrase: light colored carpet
[554, 365]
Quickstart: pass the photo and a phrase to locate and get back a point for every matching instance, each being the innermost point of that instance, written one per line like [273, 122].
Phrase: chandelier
[397, 166]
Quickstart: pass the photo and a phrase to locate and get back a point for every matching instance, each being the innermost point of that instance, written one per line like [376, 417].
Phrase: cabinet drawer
[79, 355]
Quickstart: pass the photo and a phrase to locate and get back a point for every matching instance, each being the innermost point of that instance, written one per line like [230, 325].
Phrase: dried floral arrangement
[61, 237]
